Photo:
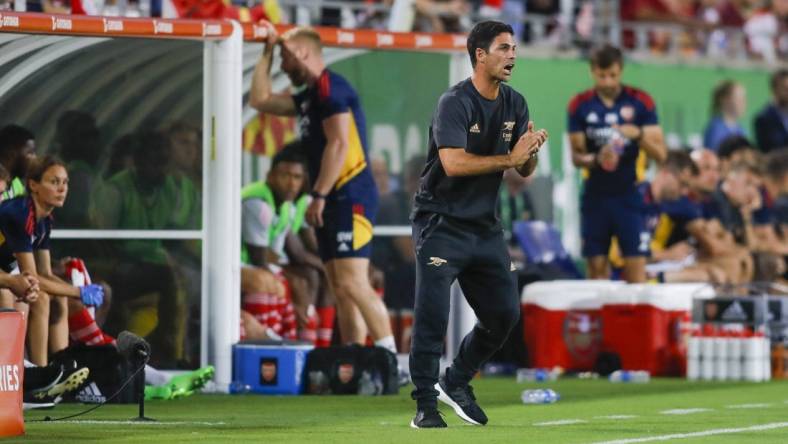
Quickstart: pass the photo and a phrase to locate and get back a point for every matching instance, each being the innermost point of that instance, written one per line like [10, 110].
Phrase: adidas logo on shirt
[475, 128]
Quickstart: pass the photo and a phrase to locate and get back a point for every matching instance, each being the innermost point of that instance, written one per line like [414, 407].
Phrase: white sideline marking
[747, 406]
[774, 425]
[138, 423]
[684, 411]
[560, 422]
[616, 417]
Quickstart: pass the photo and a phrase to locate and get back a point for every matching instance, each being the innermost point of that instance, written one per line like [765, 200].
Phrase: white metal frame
[221, 247]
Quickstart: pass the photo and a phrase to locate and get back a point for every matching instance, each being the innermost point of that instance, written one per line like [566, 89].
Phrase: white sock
[387, 343]
[155, 377]
[29, 364]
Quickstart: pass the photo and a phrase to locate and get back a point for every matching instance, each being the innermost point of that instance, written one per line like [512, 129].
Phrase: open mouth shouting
[507, 69]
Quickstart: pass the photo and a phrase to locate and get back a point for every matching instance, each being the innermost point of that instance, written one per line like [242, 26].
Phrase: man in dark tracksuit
[480, 128]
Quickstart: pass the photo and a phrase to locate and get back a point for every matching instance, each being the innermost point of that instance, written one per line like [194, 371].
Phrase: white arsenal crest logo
[627, 113]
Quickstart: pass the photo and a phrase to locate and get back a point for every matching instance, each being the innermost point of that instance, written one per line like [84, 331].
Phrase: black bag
[351, 370]
[109, 370]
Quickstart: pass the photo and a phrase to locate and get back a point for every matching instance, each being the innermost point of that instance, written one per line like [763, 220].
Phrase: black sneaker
[39, 401]
[72, 379]
[463, 402]
[428, 419]
[41, 379]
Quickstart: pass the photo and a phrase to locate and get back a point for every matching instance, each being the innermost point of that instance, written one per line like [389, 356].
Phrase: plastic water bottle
[369, 384]
[239, 388]
[693, 357]
[630, 376]
[535, 375]
[539, 396]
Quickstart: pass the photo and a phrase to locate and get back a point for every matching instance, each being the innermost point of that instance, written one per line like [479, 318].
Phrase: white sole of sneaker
[413, 425]
[37, 405]
[443, 397]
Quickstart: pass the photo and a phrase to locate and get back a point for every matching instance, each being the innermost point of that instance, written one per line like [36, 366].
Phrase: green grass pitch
[589, 411]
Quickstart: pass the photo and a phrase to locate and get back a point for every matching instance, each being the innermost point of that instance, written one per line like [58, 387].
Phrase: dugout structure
[138, 72]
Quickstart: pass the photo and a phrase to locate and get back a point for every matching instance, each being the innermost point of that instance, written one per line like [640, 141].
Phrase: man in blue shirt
[610, 127]
[771, 124]
[344, 196]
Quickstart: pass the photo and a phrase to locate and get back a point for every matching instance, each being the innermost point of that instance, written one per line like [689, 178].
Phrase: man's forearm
[57, 287]
[528, 167]
[654, 147]
[462, 163]
[330, 166]
[260, 90]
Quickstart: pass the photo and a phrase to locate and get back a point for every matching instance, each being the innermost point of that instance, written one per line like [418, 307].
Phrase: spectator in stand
[773, 185]
[147, 197]
[17, 150]
[186, 142]
[737, 199]
[728, 104]
[776, 181]
[735, 150]
[440, 15]
[514, 10]
[669, 11]
[706, 181]
[715, 14]
[771, 123]
[767, 31]
[718, 13]
[78, 142]
[716, 245]
[673, 221]
[121, 154]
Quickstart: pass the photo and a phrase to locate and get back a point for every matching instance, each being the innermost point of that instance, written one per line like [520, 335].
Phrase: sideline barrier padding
[12, 368]
[85, 25]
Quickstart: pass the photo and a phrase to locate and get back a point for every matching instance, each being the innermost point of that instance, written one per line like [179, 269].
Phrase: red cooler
[562, 322]
[643, 324]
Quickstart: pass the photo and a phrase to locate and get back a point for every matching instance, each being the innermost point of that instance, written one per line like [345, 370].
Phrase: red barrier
[12, 367]
[86, 25]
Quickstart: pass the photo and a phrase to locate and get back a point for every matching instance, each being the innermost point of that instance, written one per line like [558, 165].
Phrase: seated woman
[25, 227]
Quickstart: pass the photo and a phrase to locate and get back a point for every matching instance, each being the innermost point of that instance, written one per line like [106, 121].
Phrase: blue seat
[542, 244]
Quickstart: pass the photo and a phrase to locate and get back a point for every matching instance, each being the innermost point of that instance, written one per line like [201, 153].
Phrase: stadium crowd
[695, 28]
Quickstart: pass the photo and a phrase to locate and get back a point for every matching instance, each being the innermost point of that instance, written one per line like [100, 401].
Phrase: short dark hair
[293, 152]
[731, 144]
[5, 175]
[776, 164]
[78, 137]
[606, 56]
[148, 143]
[14, 136]
[777, 77]
[720, 93]
[680, 160]
[482, 36]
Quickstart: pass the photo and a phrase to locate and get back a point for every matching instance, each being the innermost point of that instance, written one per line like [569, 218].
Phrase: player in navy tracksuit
[610, 127]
